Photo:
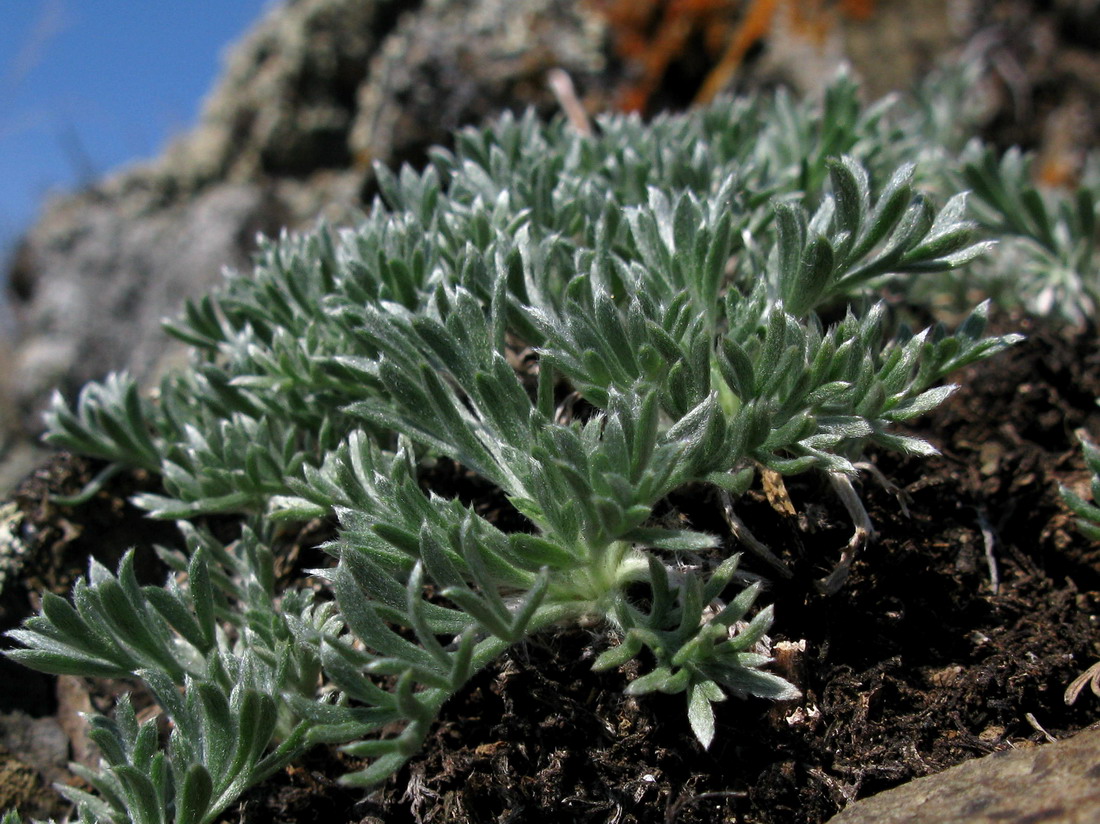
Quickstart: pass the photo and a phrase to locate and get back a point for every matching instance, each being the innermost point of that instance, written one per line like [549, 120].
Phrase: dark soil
[915, 665]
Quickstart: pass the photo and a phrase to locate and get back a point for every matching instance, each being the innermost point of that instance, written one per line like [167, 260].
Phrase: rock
[1054, 784]
[101, 269]
[286, 101]
[38, 742]
[18, 782]
[426, 81]
[318, 90]
[33, 754]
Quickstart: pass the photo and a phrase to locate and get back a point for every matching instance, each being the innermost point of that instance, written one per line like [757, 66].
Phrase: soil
[61, 539]
[956, 634]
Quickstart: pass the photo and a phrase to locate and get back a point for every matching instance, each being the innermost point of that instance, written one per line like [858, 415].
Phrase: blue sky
[89, 85]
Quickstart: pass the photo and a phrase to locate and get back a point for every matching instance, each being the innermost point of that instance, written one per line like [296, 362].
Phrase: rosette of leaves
[673, 275]
[217, 648]
[588, 489]
[1048, 234]
[686, 332]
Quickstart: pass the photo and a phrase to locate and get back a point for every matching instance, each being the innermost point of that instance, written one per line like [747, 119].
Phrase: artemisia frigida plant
[667, 274]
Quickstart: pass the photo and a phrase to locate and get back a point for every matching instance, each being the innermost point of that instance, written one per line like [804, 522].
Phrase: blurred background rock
[319, 90]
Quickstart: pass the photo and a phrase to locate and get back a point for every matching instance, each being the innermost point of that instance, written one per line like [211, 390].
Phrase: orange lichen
[756, 25]
[858, 9]
[1057, 172]
[652, 34]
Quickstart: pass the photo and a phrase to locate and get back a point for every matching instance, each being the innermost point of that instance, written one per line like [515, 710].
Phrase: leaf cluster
[1048, 235]
[1088, 513]
[586, 323]
[217, 649]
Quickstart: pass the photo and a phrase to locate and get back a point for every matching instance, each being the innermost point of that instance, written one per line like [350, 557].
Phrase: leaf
[178, 615]
[194, 797]
[655, 681]
[749, 681]
[924, 402]
[790, 222]
[538, 552]
[619, 655]
[905, 444]
[810, 284]
[61, 660]
[379, 770]
[352, 585]
[735, 483]
[701, 714]
[142, 798]
[216, 721]
[851, 188]
[676, 540]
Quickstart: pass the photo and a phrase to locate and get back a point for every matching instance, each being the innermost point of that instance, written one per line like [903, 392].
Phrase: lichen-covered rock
[287, 97]
[426, 81]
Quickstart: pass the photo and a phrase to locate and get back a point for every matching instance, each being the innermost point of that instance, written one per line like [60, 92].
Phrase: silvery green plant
[217, 648]
[1087, 512]
[588, 324]
[1050, 262]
